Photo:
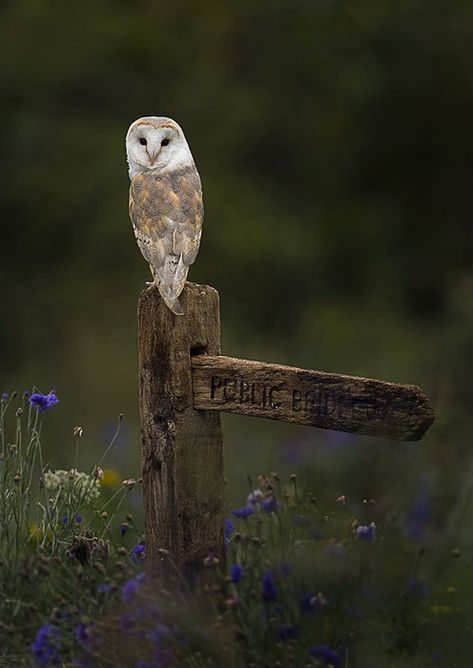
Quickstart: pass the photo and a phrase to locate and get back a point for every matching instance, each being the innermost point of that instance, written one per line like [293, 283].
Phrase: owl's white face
[156, 143]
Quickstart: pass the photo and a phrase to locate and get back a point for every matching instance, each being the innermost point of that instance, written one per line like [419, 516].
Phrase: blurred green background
[335, 145]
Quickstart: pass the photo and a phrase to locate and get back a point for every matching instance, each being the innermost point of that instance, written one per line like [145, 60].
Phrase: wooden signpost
[185, 383]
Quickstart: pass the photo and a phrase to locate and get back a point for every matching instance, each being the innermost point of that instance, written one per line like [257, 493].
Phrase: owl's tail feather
[172, 281]
[174, 305]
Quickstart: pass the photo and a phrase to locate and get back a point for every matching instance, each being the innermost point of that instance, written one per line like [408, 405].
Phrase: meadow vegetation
[309, 581]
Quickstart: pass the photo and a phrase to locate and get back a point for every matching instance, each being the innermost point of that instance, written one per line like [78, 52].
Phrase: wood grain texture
[327, 400]
[182, 448]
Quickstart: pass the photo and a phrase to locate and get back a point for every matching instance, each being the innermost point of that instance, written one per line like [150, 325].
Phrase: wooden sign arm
[326, 400]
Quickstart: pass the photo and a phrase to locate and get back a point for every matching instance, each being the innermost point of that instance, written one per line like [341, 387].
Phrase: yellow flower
[111, 478]
[36, 533]
[439, 609]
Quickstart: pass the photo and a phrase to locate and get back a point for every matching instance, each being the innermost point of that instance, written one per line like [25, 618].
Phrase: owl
[166, 207]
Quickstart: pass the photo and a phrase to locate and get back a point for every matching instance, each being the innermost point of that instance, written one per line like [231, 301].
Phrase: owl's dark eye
[165, 142]
[143, 141]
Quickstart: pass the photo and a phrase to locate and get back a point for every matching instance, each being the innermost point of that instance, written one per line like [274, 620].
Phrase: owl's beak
[153, 157]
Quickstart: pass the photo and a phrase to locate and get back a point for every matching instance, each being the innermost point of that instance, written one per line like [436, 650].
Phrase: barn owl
[166, 207]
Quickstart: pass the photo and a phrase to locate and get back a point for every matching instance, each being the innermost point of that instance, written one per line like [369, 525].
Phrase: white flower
[78, 483]
[255, 497]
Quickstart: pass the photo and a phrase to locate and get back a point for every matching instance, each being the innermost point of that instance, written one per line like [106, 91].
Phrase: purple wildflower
[270, 505]
[417, 588]
[129, 590]
[335, 549]
[138, 553]
[244, 512]
[365, 532]
[84, 635]
[269, 589]
[43, 401]
[164, 657]
[311, 602]
[236, 573]
[5, 396]
[228, 528]
[326, 654]
[78, 518]
[287, 632]
[46, 646]
[254, 497]
[124, 528]
[420, 515]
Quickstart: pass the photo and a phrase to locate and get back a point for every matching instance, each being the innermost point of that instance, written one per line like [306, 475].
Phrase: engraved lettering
[229, 385]
[296, 400]
[244, 392]
[215, 384]
[265, 396]
[272, 401]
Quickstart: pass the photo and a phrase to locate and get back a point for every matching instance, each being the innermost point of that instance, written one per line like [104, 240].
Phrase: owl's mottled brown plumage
[166, 210]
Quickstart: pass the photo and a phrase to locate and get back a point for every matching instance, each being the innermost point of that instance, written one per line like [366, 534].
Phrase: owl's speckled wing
[166, 211]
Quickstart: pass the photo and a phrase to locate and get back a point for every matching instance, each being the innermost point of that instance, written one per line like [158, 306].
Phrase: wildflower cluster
[278, 537]
[301, 582]
[59, 551]
[42, 402]
[82, 485]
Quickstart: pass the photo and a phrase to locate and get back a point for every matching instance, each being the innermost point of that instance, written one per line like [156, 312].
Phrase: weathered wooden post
[182, 447]
[185, 382]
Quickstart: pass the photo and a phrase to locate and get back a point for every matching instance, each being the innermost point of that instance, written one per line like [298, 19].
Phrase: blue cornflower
[236, 573]
[5, 396]
[328, 655]
[46, 646]
[138, 553]
[241, 513]
[421, 513]
[418, 588]
[367, 533]
[228, 528]
[270, 505]
[311, 602]
[163, 657]
[335, 550]
[254, 497]
[159, 632]
[129, 590]
[287, 632]
[84, 635]
[43, 401]
[78, 518]
[124, 528]
[269, 590]
[104, 588]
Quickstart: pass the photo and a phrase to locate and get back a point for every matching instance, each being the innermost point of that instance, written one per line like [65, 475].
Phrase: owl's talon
[149, 283]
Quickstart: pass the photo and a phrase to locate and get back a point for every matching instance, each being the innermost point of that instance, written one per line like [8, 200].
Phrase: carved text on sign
[319, 403]
[244, 392]
[316, 398]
